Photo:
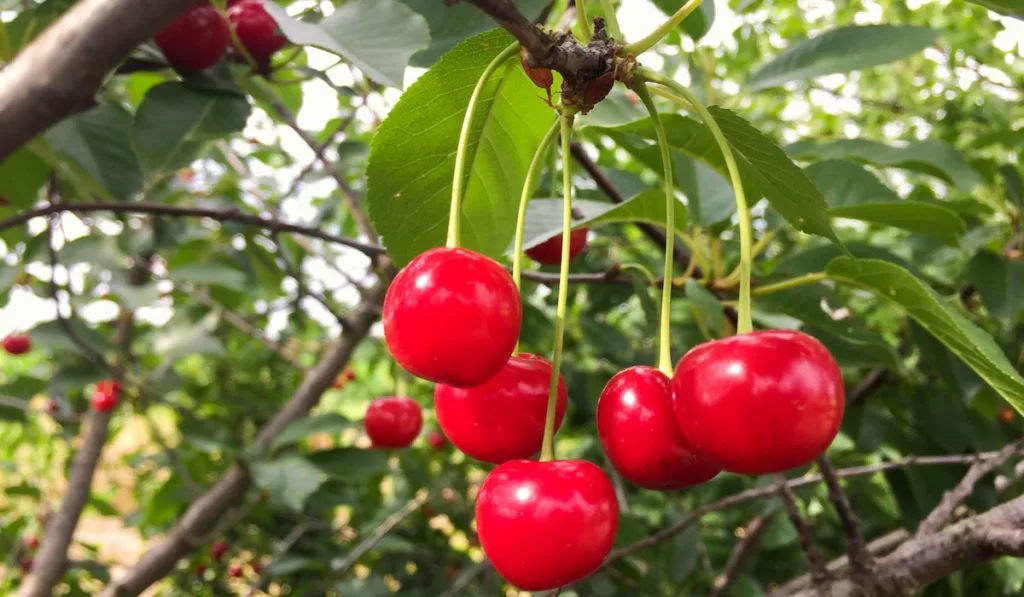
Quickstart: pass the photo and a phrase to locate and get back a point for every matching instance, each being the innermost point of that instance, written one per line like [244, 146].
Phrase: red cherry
[1006, 415]
[437, 440]
[638, 431]
[104, 401]
[109, 386]
[4, 202]
[26, 565]
[393, 421]
[17, 344]
[758, 403]
[256, 568]
[452, 316]
[546, 524]
[200, 570]
[32, 542]
[195, 40]
[218, 549]
[503, 418]
[549, 252]
[52, 407]
[235, 571]
[256, 29]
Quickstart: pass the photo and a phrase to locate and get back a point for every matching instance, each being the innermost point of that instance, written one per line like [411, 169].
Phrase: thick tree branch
[221, 215]
[59, 73]
[840, 566]
[861, 562]
[204, 513]
[952, 498]
[738, 558]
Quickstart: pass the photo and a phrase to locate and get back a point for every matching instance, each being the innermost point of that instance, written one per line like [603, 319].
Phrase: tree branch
[861, 562]
[221, 215]
[211, 506]
[819, 574]
[738, 558]
[245, 327]
[383, 529]
[952, 498]
[59, 73]
[839, 566]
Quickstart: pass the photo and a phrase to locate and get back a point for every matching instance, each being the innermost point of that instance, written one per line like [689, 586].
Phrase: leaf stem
[454, 215]
[611, 19]
[641, 46]
[683, 96]
[664, 337]
[790, 283]
[547, 451]
[584, 21]
[532, 174]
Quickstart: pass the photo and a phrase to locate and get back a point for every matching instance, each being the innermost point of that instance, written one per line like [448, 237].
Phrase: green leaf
[707, 308]
[377, 36]
[1012, 8]
[180, 337]
[1000, 282]
[698, 23]
[351, 464]
[818, 258]
[843, 50]
[99, 143]
[287, 563]
[930, 157]
[969, 342]
[51, 337]
[845, 183]
[412, 156]
[176, 120]
[213, 274]
[454, 24]
[544, 216]
[289, 480]
[710, 197]
[21, 176]
[930, 219]
[23, 387]
[136, 297]
[765, 169]
[301, 428]
[1014, 185]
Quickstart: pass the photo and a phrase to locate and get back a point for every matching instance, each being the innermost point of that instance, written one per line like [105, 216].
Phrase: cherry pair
[757, 403]
[199, 37]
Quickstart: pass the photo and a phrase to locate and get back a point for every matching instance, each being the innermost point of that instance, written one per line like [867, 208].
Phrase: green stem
[547, 450]
[639, 47]
[611, 19]
[790, 283]
[454, 219]
[401, 386]
[531, 179]
[683, 96]
[584, 21]
[664, 337]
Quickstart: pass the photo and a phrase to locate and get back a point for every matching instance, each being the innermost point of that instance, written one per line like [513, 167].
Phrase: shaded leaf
[214, 274]
[301, 428]
[930, 219]
[845, 183]
[707, 308]
[22, 174]
[289, 480]
[842, 50]
[350, 464]
[179, 337]
[816, 259]
[1000, 282]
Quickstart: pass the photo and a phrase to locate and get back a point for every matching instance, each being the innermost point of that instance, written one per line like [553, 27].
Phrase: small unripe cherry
[541, 77]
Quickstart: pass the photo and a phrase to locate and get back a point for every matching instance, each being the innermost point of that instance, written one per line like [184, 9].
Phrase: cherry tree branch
[210, 507]
[247, 328]
[838, 567]
[221, 215]
[815, 561]
[378, 533]
[861, 562]
[59, 73]
[740, 554]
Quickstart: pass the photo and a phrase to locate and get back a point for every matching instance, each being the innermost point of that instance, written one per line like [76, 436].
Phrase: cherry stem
[235, 40]
[532, 173]
[790, 283]
[664, 335]
[584, 21]
[682, 95]
[547, 450]
[454, 215]
[641, 46]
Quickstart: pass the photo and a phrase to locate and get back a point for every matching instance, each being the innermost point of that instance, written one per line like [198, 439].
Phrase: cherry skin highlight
[256, 29]
[17, 344]
[638, 431]
[103, 401]
[759, 403]
[195, 40]
[452, 316]
[546, 524]
[503, 418]
[393, 421]
[549, 252]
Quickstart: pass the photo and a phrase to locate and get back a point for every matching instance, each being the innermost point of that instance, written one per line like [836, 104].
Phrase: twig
[872, 382]
[232, 215]
[952, 498]
[738, 558]
[247, 328]
[815, 561]
[303, 289]
[287, 543]
[383, 529]
[861, 562]
[466, 577]
[837, 567]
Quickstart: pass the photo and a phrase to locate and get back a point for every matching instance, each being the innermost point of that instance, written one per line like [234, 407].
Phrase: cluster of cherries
[756, 403]
[200, 36]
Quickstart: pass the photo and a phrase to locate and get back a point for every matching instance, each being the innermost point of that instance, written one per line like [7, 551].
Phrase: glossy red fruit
[759, 403]
[196, 40]
[452, 316]
[26, 565]
[393, 421]
[637, 428]
[503, 418]
[549, 252]
[546, 524]
[256, 29]
[437, 440]
[218, 549]
[17, 344]
[104, 401]
[235, 571]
